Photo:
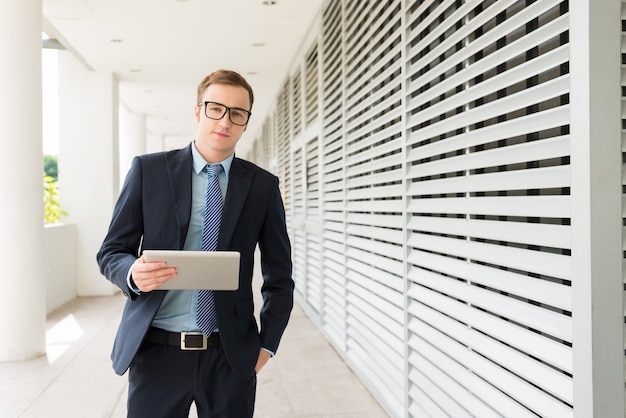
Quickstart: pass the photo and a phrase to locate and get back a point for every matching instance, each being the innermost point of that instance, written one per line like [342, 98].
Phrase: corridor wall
[425, 155]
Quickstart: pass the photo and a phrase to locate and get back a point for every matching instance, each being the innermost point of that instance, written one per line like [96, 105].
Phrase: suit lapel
[179, 167]
[239, 182]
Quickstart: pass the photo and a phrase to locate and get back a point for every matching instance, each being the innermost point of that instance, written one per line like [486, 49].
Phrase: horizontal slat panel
[392, 266]
[334, 334]
[385, 286]
[548, 235]
[368, 149]
[422, 405]
[373, 62]
[379, 115]
[356, 145]
[438, 367]
[382, 312]
[333, 131]
[536, 178]
[376, 337]
[554, 265]
[366, 33]
[524, 286]
[334, 282]
[333, 226]
[534, 206]
[521, 153]
[375, 247]
[376, 321]
[525, 393]
[543, 320]
[516, 127]
[332, 196]
[422, 23]
[362, 361]
[443, 392]
[377, 87]
[373, 206]
[390, 176]
[333, 206]
[519, 19]
[502, 55]
[525, 340]
[541, 375]
[493, 85]
[375, 192]
[333, 310]
[389, 221]
[333, 176]
[553, 88]
[394, 236]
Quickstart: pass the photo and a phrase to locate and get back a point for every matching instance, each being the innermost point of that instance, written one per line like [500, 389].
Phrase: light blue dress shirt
[178, 310]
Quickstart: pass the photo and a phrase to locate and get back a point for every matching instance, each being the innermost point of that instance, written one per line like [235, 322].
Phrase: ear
[196, 113]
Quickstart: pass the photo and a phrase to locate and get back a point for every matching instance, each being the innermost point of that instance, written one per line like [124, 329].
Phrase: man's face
[216, 139]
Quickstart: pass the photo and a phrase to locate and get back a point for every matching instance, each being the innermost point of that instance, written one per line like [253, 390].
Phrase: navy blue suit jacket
[153, 212]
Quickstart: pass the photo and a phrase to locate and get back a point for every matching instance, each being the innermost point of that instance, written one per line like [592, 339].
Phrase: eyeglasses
[216, 111]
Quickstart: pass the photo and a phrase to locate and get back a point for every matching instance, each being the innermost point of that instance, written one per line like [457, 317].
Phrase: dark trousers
[164, 380]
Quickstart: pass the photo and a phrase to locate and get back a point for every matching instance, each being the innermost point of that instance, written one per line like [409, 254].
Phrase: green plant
[50, 166]
[51, 207]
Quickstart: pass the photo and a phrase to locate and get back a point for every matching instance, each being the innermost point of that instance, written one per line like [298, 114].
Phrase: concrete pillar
[23, 295]
[596, 160]
[132, 139]
[89, 161]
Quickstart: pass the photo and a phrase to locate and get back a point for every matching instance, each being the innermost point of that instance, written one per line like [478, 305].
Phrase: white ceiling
[161, 49]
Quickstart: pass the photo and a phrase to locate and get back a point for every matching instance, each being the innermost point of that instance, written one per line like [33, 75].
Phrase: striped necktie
[206, 316]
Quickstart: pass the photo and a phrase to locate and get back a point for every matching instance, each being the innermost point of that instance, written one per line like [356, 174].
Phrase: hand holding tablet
[196, 270]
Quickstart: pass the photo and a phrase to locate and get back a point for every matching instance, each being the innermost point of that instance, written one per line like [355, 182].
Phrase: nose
[225, 121]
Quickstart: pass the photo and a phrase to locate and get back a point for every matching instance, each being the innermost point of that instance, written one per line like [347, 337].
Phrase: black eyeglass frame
[227, 110]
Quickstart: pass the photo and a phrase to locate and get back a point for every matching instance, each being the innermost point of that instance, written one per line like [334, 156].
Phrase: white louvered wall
[490, 314]
[425, 147]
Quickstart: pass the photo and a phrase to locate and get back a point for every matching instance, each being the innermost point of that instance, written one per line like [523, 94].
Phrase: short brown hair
[225, 77]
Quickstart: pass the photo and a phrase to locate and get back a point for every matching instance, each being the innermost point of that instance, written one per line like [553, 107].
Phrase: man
[162, 206]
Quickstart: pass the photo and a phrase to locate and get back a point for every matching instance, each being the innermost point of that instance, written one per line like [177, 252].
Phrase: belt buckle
[183, 341]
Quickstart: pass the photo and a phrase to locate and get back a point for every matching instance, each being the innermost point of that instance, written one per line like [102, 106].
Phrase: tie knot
[213, 169]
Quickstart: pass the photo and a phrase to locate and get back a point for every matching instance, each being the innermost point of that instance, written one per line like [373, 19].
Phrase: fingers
[264, 357]
[150, 276]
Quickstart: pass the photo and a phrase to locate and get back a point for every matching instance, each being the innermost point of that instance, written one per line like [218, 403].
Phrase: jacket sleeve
[120, 247]
[278, 286]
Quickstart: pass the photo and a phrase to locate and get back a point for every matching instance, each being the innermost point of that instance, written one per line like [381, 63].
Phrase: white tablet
[212, 270]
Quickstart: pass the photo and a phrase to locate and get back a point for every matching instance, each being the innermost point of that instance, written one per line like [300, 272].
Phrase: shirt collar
[199, 162]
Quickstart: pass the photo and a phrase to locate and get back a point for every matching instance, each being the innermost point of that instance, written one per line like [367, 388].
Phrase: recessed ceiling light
[269, 2]
[135, 70]
[117, 40]
[258, 44]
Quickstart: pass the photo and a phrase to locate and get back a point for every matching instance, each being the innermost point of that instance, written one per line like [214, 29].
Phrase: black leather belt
[184, 340]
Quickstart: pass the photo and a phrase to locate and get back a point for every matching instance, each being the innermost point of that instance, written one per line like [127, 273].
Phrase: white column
[598, 341]
[88, 163]
[132, 139]
[23, 295]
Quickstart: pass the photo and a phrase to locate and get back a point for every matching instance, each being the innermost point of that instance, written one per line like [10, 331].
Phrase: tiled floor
[74, 379]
